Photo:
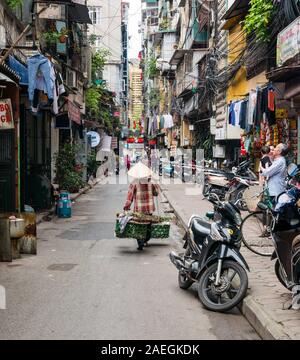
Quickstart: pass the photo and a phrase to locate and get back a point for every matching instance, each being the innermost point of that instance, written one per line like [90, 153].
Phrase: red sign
[116, 114]
[74, 113]
[6, 115]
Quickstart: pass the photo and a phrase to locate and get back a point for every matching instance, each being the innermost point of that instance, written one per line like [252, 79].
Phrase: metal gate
[7, 171]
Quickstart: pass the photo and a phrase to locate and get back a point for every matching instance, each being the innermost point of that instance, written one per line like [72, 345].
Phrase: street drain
[61, 267]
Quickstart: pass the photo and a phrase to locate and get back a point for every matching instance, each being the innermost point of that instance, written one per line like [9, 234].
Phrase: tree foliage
[258, 19]
[99, 60]
[14, 4]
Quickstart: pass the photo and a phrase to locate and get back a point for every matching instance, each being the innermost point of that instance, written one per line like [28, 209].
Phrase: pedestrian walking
[276, 173]
[127, 162]
[265, 163]
[142, 192]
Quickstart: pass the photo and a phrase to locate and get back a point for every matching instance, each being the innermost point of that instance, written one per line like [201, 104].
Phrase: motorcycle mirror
[292, 170]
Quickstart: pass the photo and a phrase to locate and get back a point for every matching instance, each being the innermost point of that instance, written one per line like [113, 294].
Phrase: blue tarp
[20, 69]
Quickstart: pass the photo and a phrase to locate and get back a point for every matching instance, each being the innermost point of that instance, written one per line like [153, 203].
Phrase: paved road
[85, 284]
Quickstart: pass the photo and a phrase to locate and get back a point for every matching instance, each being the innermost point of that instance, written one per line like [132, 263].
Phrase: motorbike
[235, 193]
[234, 182]
[286, 238]
[212, 258]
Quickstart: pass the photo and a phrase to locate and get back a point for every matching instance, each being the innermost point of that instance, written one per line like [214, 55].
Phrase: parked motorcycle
[286, 238]
[212, 258]
[222, 183]
[235, 193]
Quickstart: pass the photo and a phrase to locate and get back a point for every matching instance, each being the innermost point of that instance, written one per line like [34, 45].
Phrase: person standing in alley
[276, 173]
[142, 192]
[265, 162]
[127, 162]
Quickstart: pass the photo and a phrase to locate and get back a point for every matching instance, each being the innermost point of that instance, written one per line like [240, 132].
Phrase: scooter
[286, 239]
[212, 258]
[220, 183]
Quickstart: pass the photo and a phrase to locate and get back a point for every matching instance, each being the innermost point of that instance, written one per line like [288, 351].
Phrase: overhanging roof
[79, 13]
[284, 73]
[239, 7]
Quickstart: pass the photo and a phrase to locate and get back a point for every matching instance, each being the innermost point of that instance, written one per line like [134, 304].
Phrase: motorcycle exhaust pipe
[177, 261]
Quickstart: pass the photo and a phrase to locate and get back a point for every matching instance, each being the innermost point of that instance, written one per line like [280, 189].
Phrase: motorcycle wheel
[279, 274]
[184, 281]
[211, 296]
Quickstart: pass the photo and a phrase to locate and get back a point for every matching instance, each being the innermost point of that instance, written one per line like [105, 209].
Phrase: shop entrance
[37, 148]
[7, 171]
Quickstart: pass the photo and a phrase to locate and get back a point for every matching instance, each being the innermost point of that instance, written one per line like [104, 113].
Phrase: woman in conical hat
[141, 191]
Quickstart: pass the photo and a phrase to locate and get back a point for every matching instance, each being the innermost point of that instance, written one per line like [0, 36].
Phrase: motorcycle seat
[200, 228]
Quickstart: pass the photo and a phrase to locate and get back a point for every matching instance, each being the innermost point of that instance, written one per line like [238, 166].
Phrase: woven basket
[252, 196]
[160, 231]
[132, 230]
[138, 230]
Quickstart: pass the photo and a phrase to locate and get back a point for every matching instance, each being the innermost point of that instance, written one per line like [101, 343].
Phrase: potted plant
[50, 37]
[63, 35]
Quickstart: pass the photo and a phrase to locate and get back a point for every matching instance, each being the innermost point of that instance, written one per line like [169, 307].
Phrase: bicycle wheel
[256, 232]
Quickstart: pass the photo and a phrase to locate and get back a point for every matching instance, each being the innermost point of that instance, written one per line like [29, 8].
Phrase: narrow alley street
[86, 284]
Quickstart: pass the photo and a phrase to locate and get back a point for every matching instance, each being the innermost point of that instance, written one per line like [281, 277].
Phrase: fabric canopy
[79, 13]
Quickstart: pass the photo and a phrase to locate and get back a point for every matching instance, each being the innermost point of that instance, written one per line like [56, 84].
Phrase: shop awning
[6, 79]
[79, 13]
[284, 73]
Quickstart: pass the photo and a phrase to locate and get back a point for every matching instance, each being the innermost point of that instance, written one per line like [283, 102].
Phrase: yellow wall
[236, 43]
[240, 86]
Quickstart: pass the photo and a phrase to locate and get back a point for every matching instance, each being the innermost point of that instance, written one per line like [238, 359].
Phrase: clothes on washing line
[251, 106]
[43, 79]
[268, 105]
[243, 114]
[39, 73]
[168, 121]
[238, 113]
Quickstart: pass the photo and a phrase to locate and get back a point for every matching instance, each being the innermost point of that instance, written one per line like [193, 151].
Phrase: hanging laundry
[168, 121]
[243, 114]
[251, 106]
[39, 73]
[257, 116]
[237, 112]
[268, 105]
[161, 122]
[231, 113]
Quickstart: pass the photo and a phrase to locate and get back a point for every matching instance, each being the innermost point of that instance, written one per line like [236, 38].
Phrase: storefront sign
[288, 42]
[74, 113]
[6, 115]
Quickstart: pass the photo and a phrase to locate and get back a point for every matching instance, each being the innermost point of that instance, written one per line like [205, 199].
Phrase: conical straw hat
[140, 171]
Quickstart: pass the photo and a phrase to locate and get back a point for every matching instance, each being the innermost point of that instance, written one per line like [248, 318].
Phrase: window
[94, 13]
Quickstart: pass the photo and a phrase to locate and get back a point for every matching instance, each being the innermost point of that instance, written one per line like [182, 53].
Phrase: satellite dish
[95, 138]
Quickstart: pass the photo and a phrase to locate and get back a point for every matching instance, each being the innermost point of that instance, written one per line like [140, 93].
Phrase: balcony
[187, 70]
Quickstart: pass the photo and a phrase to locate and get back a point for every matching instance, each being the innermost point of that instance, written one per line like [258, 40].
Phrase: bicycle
[256, 228]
